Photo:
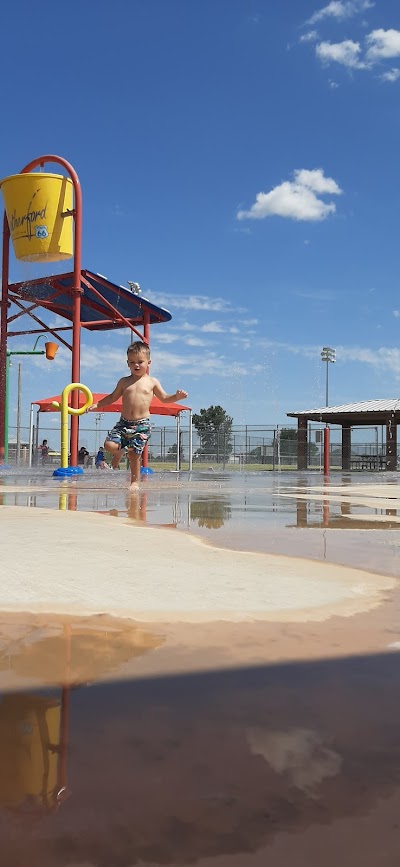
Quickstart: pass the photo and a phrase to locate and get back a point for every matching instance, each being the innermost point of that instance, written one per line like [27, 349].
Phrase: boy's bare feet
[134, 486]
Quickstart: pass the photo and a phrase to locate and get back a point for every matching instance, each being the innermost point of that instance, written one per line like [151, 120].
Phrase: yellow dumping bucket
[34, 203]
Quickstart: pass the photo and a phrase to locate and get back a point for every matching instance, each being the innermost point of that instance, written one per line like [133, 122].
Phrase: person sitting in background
[83, 455]
[44, 449]
[100, 462]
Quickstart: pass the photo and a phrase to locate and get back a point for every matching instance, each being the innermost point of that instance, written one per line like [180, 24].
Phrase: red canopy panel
[156, 407]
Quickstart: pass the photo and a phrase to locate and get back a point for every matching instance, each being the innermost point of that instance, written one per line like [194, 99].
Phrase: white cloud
[296, 200]
[391, 75]
[347, 53]
[310, 36]
[340, 10]
[164, 337]
[194, 341]
[383, 44]
[190, 302]
[384, 358]
[213, 327]
[396, 314]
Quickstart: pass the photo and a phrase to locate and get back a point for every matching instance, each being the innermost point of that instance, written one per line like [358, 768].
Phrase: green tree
[214, 427]
[288, 438]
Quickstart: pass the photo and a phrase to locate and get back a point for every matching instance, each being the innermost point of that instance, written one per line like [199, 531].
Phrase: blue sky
[240, 160]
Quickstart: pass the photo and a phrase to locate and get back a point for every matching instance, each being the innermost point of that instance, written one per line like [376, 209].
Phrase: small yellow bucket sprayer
[66, 410]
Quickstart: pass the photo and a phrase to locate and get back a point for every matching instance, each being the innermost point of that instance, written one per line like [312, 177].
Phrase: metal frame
[80, 279]
[76, 291]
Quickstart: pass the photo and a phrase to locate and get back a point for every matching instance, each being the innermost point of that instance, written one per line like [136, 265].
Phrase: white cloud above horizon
[347, 53]
[297, 199]
[191, 302]
[391, 75]
[340, 10]
[383, 358]
[383, 44]
[379, 45]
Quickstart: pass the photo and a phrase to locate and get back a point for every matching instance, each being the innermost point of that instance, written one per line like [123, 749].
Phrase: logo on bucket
[41, 232]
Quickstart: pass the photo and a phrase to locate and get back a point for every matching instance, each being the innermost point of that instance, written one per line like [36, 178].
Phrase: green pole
[6, 409]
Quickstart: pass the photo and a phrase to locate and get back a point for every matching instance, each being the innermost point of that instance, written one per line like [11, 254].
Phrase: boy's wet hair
[139, 346]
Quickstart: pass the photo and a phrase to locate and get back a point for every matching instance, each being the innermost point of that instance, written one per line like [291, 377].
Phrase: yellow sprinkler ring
[66, 410]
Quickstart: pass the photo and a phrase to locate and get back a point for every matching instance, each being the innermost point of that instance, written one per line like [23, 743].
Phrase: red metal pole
[76, 289]
[3, 335]
[326, 450]
[146, 338]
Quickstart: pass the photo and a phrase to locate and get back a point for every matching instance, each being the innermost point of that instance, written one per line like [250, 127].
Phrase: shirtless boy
[133, 429]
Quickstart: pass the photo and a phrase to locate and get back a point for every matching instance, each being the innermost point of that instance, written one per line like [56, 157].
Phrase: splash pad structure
[47, 227]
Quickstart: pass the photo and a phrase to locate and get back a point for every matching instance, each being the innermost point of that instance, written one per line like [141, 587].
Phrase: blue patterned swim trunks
[131, 434]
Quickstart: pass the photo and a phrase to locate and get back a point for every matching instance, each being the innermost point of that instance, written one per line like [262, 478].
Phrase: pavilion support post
[391, 443]
[302, 427]
[327, 448]
[346, 447]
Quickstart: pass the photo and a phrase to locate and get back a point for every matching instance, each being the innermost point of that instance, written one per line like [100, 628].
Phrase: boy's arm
[167, 398]
[109, 398]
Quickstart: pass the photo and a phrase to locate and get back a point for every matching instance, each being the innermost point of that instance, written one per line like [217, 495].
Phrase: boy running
[133, 429]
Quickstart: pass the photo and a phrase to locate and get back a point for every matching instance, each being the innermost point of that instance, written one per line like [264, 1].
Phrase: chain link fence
[255, 447]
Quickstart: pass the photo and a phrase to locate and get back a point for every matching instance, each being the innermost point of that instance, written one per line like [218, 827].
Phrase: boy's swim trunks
[131, 434]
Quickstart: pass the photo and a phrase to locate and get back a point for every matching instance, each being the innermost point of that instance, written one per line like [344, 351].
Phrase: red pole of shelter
[76, 313]
[326, 450]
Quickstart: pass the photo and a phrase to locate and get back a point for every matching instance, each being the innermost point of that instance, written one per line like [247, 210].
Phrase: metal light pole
[328, 355]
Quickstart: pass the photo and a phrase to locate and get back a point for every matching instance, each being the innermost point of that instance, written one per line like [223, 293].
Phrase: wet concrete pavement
[222, 744]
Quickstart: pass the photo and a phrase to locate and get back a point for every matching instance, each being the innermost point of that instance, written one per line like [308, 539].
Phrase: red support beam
[76, 292]
[3, 334]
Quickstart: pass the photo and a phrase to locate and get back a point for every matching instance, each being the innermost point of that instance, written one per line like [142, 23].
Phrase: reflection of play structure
[32, 753]
[43, 218]
[34, 728]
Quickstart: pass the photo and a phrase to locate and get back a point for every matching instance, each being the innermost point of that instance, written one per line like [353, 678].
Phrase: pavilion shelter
[369, 413]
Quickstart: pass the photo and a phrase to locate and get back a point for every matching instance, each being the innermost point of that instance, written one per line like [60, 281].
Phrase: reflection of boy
[133, 430]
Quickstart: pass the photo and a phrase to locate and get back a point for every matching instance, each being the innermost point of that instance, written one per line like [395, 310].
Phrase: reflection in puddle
[210, 513]
[267, 763]
[74, 651]
[205, 501]
[33, 744]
